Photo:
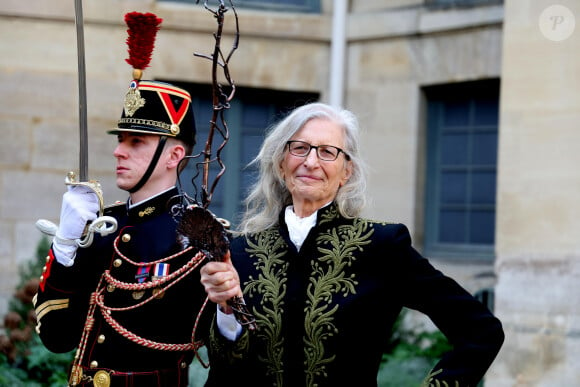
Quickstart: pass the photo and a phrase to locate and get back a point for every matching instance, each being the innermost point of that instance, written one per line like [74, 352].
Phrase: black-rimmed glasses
[324, 152]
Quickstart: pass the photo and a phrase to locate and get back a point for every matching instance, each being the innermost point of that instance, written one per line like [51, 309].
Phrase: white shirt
[298, 227]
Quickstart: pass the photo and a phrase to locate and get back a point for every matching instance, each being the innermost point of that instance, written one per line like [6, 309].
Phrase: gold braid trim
[141, 121]
[49, 306]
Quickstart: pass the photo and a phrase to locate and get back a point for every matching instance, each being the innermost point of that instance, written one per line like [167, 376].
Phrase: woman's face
[313, 182]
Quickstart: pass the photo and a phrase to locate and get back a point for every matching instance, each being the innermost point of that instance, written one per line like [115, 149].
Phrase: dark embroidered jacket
[325, 313]
[147, 233]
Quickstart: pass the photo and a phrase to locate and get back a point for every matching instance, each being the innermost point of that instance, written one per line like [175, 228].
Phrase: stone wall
[394, 48]
[538, 223]
[39, 109]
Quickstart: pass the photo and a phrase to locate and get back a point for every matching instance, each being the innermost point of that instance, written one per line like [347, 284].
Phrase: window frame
[443, 4]
[306, 6]
[435, 98]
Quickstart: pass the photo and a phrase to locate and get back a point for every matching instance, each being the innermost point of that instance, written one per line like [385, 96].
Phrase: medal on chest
[141, 276]
[159, 271]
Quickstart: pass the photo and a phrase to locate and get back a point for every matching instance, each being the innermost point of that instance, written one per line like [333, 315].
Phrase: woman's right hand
[221, 282]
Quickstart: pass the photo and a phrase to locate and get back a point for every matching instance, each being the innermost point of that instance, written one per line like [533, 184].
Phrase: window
[462, 135]
[250, 114]
[281, 5]
[270, 5]
[460, 3]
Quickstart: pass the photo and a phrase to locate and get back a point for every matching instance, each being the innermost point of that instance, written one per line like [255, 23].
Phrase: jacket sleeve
[61, 303]
[470, 327]
[226, 357]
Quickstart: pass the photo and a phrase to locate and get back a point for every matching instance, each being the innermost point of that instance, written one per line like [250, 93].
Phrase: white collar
[298, 227]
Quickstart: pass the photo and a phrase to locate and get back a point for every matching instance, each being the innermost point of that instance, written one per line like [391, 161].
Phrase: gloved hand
[80, 205]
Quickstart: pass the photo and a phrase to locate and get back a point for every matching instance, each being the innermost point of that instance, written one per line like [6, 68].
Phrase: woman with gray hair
[326, 285]
[270, 195]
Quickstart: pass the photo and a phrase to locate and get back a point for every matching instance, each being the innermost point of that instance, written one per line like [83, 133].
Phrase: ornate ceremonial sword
[83, 141]
[103, 224]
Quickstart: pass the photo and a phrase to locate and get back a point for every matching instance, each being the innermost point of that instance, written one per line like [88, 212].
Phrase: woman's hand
[221, 282]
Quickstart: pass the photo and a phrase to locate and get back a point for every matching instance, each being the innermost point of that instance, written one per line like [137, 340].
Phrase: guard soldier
[131, 302]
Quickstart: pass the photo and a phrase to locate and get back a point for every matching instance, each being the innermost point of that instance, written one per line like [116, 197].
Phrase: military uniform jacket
[145, 233]
[325, 313]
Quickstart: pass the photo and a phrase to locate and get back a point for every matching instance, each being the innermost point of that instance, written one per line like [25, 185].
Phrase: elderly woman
[324, 284]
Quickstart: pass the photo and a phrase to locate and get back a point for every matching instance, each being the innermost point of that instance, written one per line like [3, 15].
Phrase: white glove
[80, 205]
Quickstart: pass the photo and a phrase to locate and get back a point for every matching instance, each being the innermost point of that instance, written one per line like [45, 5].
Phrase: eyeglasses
[324, 152]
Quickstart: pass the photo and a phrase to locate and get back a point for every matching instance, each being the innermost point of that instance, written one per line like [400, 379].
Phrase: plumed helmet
[153, 107]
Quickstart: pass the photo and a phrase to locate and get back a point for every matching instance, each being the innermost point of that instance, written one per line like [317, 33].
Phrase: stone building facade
[395, 52]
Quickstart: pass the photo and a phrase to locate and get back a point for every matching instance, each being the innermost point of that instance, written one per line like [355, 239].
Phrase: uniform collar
[154, 206]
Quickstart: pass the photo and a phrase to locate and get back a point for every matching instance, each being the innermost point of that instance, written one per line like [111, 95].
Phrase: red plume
[142, 30]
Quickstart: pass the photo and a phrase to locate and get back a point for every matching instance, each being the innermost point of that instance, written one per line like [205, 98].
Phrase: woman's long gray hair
[270, 195]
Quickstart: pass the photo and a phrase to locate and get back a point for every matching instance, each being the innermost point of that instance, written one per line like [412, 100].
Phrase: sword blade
[83, 141]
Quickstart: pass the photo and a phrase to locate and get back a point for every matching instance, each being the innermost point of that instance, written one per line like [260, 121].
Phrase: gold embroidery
[430, 382]
[330, 277]
[330, 214]
[268, 249]
[147, 211]
[226, 350]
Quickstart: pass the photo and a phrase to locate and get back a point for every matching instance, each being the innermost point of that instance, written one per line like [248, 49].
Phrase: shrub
[24, 361]
[410, 355]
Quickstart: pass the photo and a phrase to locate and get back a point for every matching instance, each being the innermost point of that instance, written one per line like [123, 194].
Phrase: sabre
[82, 178]
[103, 225]
[83, 142]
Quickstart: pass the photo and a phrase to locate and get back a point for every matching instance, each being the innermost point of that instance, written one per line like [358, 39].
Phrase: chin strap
[152, 165]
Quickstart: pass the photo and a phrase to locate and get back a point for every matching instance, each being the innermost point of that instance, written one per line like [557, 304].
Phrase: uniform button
[110, 288]
[44, 269]
[126, 238]
[183, 364]
[117, 262]
[41, 278]
[94, 364]
[101, 339]
[47, 258]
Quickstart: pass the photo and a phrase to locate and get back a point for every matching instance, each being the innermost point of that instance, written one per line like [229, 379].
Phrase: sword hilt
[94, 185]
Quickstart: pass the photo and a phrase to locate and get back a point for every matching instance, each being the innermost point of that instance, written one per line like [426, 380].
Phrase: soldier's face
[133, 153]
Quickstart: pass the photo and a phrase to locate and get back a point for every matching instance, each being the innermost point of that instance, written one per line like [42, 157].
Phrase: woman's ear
[347, 173]
[281, 170]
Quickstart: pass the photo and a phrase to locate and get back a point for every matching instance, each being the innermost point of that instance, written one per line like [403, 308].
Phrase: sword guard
[71, 179]
[103, 225]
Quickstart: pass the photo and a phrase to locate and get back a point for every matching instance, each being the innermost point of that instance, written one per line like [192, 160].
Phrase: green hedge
[24, 361]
